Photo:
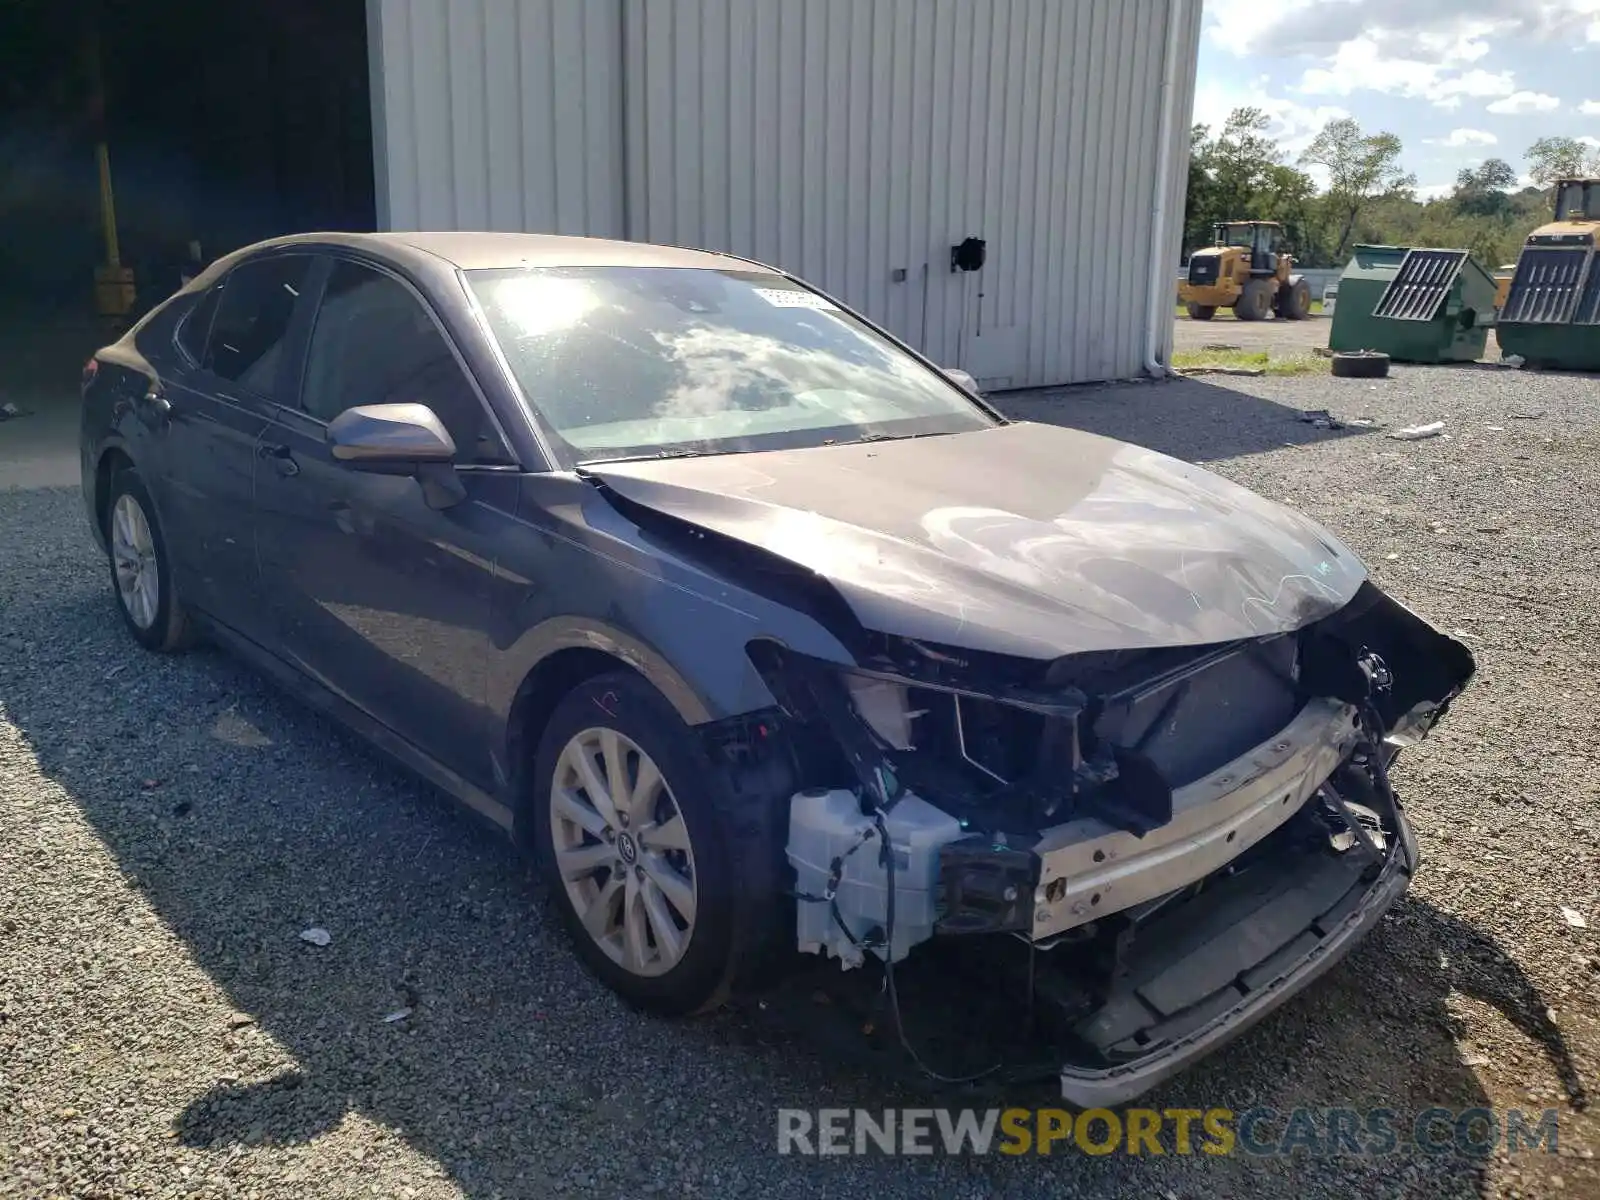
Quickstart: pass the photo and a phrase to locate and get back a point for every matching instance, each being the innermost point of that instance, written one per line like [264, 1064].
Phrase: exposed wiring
[888, 970]
[831, 892]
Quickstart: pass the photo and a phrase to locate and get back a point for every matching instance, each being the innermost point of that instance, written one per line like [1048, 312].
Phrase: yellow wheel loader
[1244, 271]
[1502, 284]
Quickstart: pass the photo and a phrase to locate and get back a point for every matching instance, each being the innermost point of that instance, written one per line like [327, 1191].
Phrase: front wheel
[1255, 301]
[1296, 300]
[1202, 312]
[629, 839]
[141, 568]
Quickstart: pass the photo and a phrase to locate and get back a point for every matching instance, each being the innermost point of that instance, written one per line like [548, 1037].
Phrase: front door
[377, 596]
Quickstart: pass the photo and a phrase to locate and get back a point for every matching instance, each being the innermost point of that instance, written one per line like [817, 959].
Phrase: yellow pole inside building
[113, 283]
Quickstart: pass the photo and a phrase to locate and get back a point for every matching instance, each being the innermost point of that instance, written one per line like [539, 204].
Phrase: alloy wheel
[133, 553]
[623, 851]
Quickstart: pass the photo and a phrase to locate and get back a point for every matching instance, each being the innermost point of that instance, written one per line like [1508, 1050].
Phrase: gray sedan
[766, 637]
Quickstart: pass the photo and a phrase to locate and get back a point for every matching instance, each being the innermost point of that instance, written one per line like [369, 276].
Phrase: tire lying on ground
[1360, 364]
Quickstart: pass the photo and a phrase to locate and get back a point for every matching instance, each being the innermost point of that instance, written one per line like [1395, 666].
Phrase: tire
[141, 568]
[1254, 302]
[1297, 300]
[639, 909]
[1360, 364]
[1202, 312]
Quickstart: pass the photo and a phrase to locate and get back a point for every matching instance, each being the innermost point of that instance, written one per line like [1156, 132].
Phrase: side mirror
[399, 439]
[963, 380]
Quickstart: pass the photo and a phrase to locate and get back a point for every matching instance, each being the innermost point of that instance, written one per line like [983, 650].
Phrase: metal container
[1552, 311]
[1416, 305]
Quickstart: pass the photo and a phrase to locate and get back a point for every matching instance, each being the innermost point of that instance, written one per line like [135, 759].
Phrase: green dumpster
[1552, 314]
[1415, 305]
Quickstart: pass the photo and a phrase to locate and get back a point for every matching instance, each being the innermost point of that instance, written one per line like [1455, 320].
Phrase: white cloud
[1586, 140]
[1429, 30]
[1435, 191]
[1364, 64]
[1434, 50]
[1465, 137]
[1446, 92]
[1590, 108]
[1522, 103]
[1293, 124]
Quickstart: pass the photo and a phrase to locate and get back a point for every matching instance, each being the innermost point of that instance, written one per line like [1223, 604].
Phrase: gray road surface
[168, 826]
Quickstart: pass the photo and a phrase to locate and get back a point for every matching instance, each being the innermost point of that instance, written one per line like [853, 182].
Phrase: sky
[1458, 80]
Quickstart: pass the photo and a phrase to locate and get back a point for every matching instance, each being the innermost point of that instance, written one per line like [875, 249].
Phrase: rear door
[382, 599]
[233, 351]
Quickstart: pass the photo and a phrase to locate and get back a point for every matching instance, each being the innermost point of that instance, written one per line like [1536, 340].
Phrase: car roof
[474, 250]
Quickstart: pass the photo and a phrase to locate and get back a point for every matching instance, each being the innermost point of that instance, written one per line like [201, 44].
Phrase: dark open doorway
[226, 121]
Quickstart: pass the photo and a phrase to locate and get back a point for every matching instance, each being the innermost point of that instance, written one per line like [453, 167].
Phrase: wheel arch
[566, 655]
[112, 459]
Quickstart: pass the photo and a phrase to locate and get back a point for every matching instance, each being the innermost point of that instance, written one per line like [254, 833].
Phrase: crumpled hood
[1025, 539]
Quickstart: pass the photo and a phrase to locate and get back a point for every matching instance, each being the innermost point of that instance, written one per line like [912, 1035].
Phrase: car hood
[1022, 539]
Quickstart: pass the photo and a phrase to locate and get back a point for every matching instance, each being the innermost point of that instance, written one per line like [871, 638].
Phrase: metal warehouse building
[854, 142]
[851, 141]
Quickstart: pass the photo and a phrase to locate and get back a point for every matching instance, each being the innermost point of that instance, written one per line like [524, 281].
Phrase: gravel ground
[168, 827]
[1284, 338]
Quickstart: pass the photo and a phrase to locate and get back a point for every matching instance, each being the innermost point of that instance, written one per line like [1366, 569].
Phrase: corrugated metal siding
[848, 140]
[498, 114]
[845, 140]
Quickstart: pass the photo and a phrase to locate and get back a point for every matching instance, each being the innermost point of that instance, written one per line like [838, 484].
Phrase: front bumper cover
[1202, 1023]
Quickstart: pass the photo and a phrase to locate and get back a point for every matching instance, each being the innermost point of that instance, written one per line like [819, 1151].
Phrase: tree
[1200, 203]
[1481, 190]
[1360, 166]
[1241, 162]
[1553, 158]
[1290, 198]
[1491, 175]
[1237, 176]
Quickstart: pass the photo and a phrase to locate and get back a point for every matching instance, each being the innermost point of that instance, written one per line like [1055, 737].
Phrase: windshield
[631, 362]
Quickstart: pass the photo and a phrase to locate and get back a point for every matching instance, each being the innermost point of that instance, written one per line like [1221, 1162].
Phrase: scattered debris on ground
[1321, 418]
[1415, 433]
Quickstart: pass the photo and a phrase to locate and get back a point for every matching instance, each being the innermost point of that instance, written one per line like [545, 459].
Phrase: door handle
[282, 457]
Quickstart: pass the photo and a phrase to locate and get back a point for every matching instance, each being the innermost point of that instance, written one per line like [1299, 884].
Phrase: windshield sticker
[795, 298]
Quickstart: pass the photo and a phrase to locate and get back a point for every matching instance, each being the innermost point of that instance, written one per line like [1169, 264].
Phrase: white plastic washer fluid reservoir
[827, 825]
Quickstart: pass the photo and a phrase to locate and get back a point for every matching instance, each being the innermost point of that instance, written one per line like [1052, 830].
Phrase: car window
[374, 343]
[627, 362]
[257, 299]
[192, 330]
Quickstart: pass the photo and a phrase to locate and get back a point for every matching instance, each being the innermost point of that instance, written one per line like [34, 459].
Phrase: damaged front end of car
[1180, 837]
